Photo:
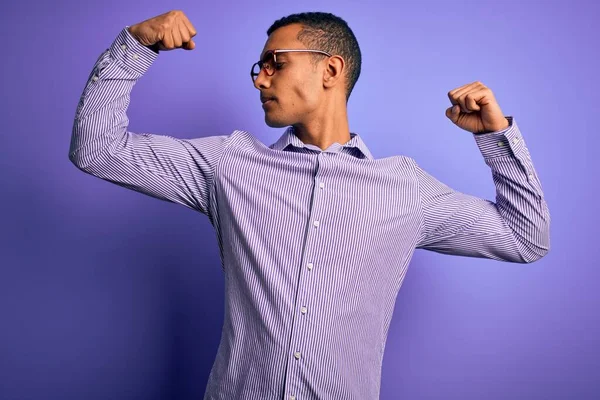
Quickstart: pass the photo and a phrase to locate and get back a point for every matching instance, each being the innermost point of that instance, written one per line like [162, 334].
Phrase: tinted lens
[267, 63]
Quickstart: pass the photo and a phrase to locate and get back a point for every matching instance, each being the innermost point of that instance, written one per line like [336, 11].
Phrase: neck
[328, 126]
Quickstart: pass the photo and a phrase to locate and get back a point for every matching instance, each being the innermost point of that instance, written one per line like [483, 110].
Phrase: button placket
[310, 265]
[303, 310]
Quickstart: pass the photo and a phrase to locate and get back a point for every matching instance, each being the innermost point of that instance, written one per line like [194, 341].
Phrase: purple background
[107, 293]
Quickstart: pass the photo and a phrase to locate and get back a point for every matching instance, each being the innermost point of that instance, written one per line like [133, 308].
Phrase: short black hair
[330, 33]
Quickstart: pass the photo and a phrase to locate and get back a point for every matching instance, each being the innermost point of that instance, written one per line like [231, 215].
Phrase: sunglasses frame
[262, 62]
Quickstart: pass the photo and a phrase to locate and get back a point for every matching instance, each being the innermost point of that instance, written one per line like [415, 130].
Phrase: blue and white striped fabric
[314, 244]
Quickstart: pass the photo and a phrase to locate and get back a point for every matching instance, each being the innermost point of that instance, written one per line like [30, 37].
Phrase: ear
[334, 71]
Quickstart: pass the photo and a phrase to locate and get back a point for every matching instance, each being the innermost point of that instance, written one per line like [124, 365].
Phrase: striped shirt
[314, 244]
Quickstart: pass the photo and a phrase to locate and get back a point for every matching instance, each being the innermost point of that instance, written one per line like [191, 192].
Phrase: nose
[262, 81]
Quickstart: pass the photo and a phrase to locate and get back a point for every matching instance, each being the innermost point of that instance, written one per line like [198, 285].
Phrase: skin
[475, 109]
[169, 31]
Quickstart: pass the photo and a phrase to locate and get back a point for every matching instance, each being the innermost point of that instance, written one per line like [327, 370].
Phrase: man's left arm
[516, 227]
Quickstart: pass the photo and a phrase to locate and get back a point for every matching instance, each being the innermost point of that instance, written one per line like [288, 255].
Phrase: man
[315, 235]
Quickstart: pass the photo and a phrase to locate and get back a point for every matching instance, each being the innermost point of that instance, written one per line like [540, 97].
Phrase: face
[296, 86]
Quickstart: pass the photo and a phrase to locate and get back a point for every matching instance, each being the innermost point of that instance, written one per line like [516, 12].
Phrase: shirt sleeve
[176, 170]
[516, 228]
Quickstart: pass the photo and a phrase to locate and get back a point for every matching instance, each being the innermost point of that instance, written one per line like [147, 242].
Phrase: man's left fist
[475, 109]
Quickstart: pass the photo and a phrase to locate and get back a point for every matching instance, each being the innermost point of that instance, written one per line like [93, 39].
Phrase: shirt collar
[289, 138]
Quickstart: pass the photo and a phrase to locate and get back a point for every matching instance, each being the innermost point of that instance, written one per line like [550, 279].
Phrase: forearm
[519, 197]
[100, 119]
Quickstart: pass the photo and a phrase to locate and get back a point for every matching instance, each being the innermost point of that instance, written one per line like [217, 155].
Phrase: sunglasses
[269, 61]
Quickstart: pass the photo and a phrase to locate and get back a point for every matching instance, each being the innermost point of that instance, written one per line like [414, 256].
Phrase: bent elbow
[535, 252]
[536, 257]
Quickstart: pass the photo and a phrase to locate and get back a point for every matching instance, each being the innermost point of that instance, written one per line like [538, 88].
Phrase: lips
[264, 99]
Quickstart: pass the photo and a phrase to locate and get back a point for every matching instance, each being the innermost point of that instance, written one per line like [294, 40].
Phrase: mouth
[264, 99]
[267, 101]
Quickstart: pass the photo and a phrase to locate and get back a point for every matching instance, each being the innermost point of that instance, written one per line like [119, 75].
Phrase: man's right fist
[169, 31]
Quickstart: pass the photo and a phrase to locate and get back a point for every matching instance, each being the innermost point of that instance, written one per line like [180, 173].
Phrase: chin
[274, 122]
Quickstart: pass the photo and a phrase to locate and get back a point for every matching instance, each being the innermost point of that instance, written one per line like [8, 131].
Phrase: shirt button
[530, 176]
[316, 224]
[515, 140]
[124, 46]
[322, 185]
[500, 144]
[94, 78]
[303, 310]
[297, 355]
[292, 397]
[310, 266]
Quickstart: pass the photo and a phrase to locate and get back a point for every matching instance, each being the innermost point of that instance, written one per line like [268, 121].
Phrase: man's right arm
[176, 170]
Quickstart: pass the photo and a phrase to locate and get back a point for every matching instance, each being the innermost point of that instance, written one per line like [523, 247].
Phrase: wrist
[504, 127]
[153, 47]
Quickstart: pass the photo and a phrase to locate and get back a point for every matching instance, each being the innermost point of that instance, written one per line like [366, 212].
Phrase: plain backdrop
[109, 294]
